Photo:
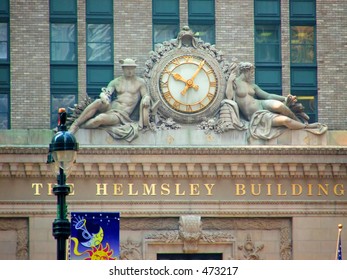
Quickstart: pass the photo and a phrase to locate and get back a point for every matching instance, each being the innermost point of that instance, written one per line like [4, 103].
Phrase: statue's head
[128, 62]
[245, 66]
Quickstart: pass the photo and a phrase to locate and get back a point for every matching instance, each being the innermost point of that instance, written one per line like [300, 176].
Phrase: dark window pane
[4, 111]
[267, 43]
[205, 32]
[99, 38]
[63, 42]
[302, 44]
[3, 41]
[267, 8]
[164, 32]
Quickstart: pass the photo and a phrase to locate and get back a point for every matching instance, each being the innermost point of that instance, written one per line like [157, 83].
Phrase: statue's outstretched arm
[262, 94]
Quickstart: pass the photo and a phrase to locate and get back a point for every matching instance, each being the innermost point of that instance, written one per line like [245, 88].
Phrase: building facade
[277, 199]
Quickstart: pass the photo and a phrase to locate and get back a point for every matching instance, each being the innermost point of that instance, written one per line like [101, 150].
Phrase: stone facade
[302, 176]
[30, 62]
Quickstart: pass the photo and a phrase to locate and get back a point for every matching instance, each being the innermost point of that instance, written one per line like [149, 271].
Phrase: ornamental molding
[182, 150]
[184, 162]
[192, 231]
[181, 169]
[222, 209]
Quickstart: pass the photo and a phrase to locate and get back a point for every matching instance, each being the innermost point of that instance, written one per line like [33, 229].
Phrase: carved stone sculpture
[190, 232]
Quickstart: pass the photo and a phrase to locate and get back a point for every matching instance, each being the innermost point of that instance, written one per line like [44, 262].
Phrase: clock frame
[189, 84]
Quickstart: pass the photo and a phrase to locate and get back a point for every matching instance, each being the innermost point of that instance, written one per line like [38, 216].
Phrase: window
[63, 42]
[267, 40]
[267, 32]
[4, 65]
[165, 17]
[63, 56]
[201, 19]
[303, 70]
[302, 45]
[4, 41]
[99, 43]
[99, 17]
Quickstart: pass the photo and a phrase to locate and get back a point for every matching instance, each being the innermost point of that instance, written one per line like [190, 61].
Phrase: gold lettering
[72, 189]
[253, 189]
[339, 190]
[209, 188]
[309, 192]
[194, 189]
[323, 189]
[240, 189]
[101, 189]
[50, 189]
[296, 189]
[37, 187]
[269, 193]
[165, 189]
[178, 190]
[149, 190]
[117, 189]
[131, 190]
[279, 190]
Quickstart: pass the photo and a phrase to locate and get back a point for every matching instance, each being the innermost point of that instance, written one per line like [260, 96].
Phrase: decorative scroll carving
[250, 249]
[130, 250]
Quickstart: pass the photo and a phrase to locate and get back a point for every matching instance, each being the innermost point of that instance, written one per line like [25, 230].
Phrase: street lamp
[62, 152]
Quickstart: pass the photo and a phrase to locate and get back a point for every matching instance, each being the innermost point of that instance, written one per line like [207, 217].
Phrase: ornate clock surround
[169, 52]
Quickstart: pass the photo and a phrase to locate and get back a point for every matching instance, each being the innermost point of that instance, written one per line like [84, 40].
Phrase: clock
[186, 79]
[188, 84]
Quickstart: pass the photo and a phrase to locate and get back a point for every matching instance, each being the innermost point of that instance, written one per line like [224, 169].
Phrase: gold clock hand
[201, 64]
[178, 77]
[190, 82]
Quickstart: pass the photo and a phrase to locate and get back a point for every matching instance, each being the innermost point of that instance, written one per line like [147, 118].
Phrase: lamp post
[62, 152]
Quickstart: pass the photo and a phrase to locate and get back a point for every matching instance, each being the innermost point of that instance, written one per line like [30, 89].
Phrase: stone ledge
[192, 136]
[187, 136]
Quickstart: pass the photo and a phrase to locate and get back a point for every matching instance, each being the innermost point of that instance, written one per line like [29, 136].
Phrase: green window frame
[267, 45]
[5, 65]
[302, 44]
[165, 20]
[63, 57]
[201, 19]
[303, 60]
[99, 45]
[63, 43]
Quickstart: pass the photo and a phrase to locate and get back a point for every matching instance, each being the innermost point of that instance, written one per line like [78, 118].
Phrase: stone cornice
[175, 208]
[184, 162]
[179, 150]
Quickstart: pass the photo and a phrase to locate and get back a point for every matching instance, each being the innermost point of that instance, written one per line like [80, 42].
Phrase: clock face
[188, 84]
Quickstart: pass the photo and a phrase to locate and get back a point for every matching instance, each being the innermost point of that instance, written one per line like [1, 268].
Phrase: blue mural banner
[94, 236]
